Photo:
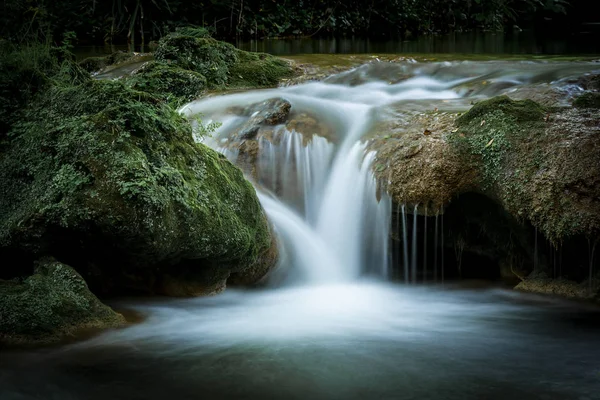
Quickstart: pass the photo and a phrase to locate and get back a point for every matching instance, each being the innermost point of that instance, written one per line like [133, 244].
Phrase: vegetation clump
[588, 100]
[53, 302]
[109, 179]
[168, 82]
[221, 63]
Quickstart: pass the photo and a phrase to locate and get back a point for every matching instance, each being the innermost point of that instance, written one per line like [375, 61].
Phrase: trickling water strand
[442, 239]
[405, 245]
[435, 249]
[425, 246]
[413, 262]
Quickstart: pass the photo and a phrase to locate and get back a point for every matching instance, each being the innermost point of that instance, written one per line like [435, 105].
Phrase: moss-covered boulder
[539, 166]
[109, 180]
[168, 82]
[221, 63]
[52, 303]
[588, 100]
[542, 165]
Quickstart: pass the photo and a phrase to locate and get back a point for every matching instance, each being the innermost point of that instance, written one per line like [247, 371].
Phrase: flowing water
[331, 326]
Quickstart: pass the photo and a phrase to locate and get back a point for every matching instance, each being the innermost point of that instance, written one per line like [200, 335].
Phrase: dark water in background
[465, 43]
[587, 43]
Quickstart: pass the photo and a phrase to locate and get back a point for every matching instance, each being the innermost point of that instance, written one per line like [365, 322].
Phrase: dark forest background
[141, 21]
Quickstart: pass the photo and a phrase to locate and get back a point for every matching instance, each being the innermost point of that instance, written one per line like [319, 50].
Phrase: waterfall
[315, 181]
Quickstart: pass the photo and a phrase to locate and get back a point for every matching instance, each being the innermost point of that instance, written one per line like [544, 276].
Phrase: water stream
[333, 327]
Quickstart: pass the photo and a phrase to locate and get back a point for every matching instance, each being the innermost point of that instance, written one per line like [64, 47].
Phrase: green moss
[192, 32]
[221, 63]
[107, 165]
[168, 82]
[489, 130]
[588, 100]
[258, 70]
[55, 301]
[531, 165]
[206, 56]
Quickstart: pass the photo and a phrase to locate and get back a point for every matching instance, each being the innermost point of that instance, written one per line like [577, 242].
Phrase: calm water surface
[463, 43]
[356, 341]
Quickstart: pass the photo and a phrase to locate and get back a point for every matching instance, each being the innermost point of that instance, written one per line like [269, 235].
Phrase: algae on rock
[221, 63]
[109, 179]
[52, 303]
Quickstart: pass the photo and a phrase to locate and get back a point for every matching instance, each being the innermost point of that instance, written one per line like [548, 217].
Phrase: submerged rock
[541, 283]
[269, 112]
[52, 303]
[97, 64]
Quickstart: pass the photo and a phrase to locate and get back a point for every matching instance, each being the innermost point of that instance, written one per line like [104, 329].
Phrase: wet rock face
[540, 165]
[543, 284]
[52, 303]
[270, 112]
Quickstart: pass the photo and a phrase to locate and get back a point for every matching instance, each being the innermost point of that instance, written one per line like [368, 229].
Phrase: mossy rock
[542, 165]
[110, 180]
[206, 56]
[221, 63]
[52, 303]
[95, 64]
[258, 70]
[168, 82]
[588, 100]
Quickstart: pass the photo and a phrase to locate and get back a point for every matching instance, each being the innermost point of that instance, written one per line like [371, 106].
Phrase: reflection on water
[355, 341]
[463, 43]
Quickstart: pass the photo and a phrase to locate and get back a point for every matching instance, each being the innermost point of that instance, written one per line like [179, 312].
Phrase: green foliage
[28, 69]
[221, 63]
[168, 82]
[206, 56]
[139, 20]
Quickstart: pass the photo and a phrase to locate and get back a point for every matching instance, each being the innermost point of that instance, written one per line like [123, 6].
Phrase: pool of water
[521, 43]
[364, 340]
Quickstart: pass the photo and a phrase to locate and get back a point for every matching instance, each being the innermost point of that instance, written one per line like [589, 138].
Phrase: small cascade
[318, 174]
[413, 261]
[295, 167]
[405, 244]
[442, 250]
